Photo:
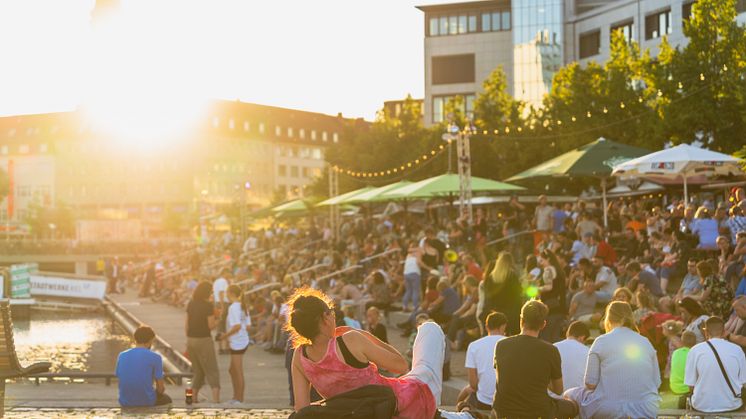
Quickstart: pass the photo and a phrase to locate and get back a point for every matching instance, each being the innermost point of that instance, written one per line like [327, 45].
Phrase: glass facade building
[537, 47]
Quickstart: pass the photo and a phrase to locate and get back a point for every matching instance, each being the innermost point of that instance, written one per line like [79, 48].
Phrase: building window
[302, 134]
[335, 137]
[231, 124]
[316, 154]
[294, 171]
[658, 24]
[627, 28]
[42, 148]
[440, 102]
[246, 125]
[324, 136]
[686, 10]
[590, 44]
[278, 131]
[473, 23]
[740, 6]
[506, 20]
[305, 172]
[24, 148]
[449, 69]
[290, 132]
[215, 121]
[313, 135]
[282, 170]
[261, 127]
[496, 21]
[460, 24]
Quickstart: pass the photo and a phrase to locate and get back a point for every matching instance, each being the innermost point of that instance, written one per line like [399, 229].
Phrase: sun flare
[144, 87]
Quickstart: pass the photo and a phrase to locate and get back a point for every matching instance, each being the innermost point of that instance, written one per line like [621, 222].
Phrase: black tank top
[346, 354]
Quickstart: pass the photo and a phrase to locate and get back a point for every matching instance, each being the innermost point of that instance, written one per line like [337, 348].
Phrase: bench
[681, 413]
[10, 367]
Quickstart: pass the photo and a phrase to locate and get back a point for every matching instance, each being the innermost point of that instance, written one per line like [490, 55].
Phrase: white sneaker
[234, 403]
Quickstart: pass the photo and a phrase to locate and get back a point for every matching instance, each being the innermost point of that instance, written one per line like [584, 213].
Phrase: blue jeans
[411, 290]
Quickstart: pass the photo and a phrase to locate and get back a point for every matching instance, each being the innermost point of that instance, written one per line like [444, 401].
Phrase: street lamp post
[463, 155]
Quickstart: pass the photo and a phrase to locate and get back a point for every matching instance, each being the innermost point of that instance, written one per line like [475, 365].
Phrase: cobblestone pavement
[173, 413]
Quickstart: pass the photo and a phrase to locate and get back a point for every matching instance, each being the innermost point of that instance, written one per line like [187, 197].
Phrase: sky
[326, 56]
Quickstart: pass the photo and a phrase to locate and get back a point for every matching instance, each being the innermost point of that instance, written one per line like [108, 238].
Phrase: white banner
[66, 287]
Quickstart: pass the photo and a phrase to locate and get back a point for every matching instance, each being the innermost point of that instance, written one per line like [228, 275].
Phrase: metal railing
[173, 359]
[379, 255]
[510, 236]
[176, 377]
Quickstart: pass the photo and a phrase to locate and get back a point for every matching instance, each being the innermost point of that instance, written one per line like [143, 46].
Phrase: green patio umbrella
[378, 194]
[339, 199]
[295, 207]
[448, 184]
[596, 159]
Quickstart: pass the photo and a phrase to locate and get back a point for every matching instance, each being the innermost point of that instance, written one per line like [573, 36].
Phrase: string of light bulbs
[506, 133]
[402, 168]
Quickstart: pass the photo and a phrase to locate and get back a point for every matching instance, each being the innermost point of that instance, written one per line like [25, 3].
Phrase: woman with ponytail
[621, 375]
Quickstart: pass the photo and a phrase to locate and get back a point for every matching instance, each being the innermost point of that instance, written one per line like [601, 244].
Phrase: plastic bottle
[189, 393]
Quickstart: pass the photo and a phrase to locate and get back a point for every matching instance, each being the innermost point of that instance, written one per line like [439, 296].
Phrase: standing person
[622, 375]
[137, 369]
[716, 370]
[526, 367]
[237, 335]
[200, 321]
[501, 291]
[149, 280]
[220, 298]
[542, 220]
[480, 364]
[337, 360]
[574, 354]
[553, 292]
[412, 274]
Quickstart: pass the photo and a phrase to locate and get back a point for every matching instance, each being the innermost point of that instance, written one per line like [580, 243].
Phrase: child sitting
[678, 363]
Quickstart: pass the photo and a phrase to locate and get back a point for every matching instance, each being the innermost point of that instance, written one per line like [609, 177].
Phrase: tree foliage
[695, 92]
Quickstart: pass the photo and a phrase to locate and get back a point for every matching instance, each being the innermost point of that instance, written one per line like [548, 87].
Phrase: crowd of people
[625, 306]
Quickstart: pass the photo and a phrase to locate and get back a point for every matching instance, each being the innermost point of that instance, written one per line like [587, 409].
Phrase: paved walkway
[32, 413]
[265, 373]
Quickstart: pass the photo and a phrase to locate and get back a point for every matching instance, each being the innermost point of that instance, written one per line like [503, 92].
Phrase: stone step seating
[681, 413]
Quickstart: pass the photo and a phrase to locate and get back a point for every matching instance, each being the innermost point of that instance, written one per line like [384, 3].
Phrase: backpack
[367, 402]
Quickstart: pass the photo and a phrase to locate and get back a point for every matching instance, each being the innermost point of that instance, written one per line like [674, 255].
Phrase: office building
[239, 152]
[531, 40]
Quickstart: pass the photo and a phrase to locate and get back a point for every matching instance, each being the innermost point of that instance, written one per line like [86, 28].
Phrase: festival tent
[448, 184]
[339, 199]
[683, 164]
[596, 159]
[377, 194]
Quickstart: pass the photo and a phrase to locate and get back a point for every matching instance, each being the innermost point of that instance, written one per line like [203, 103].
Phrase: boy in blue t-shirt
[137, 368]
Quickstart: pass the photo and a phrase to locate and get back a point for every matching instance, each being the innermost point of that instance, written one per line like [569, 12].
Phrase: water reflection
[71, 341]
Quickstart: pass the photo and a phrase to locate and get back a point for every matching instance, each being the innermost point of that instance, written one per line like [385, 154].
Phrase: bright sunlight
[145, 81]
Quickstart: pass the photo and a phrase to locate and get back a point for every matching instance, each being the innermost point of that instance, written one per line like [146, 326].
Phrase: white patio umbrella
[681, 164]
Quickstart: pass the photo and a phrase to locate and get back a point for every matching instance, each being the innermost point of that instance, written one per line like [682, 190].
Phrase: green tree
[704, 81]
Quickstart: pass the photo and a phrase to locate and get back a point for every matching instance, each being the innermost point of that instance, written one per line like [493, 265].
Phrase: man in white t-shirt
[574, 354]
[480, 365]
[220, 298]
[606, 282]
[711, 392]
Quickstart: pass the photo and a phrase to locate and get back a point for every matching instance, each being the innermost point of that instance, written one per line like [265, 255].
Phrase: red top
[331, 376]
